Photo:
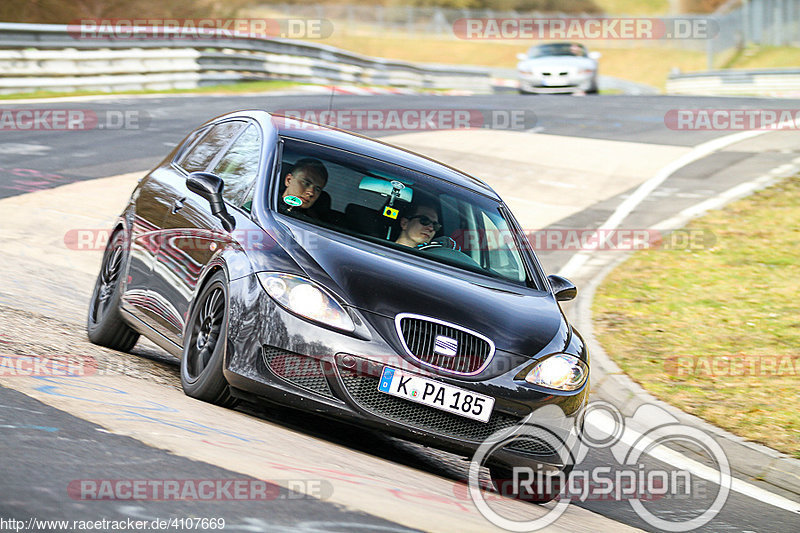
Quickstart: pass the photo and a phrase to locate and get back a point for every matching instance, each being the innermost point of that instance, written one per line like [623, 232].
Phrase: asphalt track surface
[50, 447]
[162, 122]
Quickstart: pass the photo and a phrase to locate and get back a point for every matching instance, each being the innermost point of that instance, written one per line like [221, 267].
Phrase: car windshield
[557, 49]
[398, 208]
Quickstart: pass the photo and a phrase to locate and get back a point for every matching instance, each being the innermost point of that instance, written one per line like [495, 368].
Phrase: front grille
[444, 346]
[364, 390]
[300, 370]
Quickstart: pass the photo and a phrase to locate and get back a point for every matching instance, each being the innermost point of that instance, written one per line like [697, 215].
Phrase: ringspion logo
[627, 476]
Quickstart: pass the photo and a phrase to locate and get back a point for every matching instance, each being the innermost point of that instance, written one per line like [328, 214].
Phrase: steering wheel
[441, 242]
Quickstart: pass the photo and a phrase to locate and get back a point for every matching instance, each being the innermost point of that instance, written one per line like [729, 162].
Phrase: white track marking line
[629, 204]
[666, 455]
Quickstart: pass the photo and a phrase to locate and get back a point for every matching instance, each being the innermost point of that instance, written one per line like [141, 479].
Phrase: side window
[502, 254]
[204, 152]
[190, 141]
[238, 168]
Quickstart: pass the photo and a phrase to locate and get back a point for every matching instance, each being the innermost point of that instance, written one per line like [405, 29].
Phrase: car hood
[388, 282]
[558, 62]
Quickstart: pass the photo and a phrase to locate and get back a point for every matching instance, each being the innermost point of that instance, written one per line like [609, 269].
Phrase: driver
[304, 183]
[420, 227]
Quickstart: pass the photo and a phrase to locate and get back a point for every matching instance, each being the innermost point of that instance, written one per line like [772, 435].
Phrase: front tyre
[204, 345]
[105, 325]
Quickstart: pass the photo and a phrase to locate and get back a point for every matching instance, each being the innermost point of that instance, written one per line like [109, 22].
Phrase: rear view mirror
[385, 187]
[209, 186]
[522, 57]
[595, 55]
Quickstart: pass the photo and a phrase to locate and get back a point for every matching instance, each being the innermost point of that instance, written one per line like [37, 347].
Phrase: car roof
[360, 144]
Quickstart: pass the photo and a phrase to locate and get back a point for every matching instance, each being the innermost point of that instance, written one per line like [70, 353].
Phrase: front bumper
[539, 84]
[277, 356]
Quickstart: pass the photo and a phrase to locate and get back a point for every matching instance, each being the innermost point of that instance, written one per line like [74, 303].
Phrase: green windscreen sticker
[293, 201]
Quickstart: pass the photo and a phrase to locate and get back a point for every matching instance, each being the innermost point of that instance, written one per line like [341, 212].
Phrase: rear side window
[238, 168]
[205, 151]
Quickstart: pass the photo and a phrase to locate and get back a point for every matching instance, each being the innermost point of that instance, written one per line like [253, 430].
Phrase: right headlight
[305, 298]
[561, 371]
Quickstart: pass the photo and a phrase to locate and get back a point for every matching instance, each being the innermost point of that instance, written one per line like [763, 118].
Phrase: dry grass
[737, 298]
[625, 63]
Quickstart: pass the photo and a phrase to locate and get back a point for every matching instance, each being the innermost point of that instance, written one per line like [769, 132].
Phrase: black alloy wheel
[105, 325]
[204, 345]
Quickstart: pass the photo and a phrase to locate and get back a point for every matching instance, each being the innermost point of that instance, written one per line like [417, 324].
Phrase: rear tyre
[539, 491]
[204, 345]
[105, 325]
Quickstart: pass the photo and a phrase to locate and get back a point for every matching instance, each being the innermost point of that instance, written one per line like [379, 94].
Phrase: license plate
[434, 394]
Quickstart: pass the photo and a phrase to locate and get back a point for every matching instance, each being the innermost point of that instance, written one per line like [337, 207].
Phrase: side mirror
[563, 288]
[209, 186]
[595, 55]
[522, 57]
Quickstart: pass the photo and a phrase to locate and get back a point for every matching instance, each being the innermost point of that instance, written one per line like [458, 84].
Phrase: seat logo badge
[445, 346]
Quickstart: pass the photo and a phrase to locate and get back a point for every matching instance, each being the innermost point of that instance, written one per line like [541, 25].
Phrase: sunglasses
[425, 221]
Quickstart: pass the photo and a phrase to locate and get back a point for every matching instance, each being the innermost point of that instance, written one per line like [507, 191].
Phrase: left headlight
[561, 371]
[305, 298]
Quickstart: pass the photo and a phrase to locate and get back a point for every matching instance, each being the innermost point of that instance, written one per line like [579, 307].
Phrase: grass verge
[716, 331]
[625, 63]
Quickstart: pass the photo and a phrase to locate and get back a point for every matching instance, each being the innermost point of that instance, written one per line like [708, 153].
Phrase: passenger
[304, 184]
[420, 227]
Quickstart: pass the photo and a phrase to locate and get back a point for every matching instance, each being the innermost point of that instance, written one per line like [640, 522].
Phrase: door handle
[177, 205]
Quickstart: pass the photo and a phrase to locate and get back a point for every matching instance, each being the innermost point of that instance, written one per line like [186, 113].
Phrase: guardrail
[759, 82]
[50, 57]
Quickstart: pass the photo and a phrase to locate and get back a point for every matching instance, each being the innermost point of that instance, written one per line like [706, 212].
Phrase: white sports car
[558, 68]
